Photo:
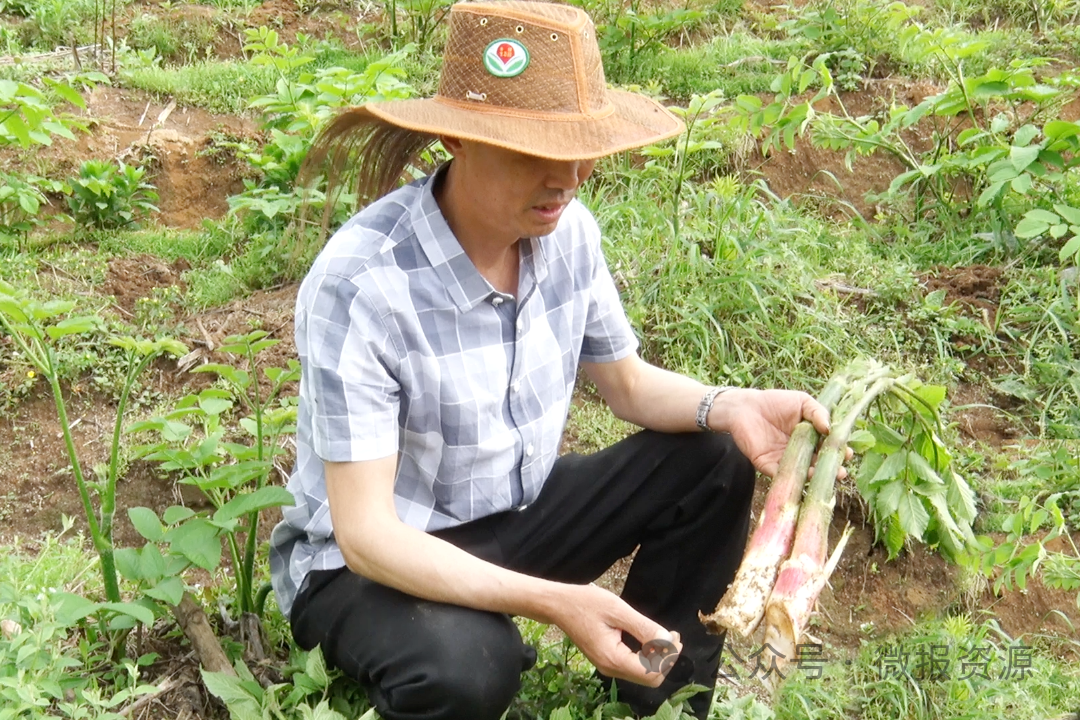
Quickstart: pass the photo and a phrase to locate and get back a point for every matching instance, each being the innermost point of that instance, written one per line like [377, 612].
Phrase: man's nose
[569, 174]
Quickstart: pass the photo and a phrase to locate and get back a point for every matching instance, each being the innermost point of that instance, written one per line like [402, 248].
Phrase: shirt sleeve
[347, 372]
[608, 334]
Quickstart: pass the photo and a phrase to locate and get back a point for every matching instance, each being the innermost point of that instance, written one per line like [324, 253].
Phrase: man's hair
[363, 151]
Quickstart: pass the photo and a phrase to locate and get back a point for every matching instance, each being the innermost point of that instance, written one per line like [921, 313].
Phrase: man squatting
[440, 332]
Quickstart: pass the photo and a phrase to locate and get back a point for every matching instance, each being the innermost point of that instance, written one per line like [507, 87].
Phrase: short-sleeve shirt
[406, 349]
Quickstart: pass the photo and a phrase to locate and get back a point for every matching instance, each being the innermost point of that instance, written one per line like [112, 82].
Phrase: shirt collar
[467, 287]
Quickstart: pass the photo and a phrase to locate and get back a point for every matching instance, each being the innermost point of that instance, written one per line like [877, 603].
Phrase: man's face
[512, 194]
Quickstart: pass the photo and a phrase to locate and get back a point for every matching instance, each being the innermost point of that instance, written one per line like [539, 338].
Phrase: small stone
[9, 628]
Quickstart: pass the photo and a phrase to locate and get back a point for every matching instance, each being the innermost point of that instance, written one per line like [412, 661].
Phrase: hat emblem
[506, 58]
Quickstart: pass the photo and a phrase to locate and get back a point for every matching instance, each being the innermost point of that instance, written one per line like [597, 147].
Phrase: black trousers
[683, 500]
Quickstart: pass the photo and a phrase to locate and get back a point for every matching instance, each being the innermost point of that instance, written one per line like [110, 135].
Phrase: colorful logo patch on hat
[506, 58]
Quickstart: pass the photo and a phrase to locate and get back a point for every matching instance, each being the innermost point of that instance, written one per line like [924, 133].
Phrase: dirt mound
[976, 287]
[192, 175]
[813, 172]
[269, 310]
[132, 278]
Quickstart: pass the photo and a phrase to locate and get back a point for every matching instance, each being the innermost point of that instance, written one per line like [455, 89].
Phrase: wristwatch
[706, 404]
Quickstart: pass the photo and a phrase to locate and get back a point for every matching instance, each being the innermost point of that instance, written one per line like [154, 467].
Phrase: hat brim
[635, 121]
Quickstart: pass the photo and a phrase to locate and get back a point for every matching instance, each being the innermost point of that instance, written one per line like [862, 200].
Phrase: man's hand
[761, 422]
[594, 619]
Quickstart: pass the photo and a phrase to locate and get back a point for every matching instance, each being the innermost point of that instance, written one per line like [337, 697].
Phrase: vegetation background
[860, 179]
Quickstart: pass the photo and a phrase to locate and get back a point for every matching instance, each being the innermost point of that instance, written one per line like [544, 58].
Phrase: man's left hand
[761, 422]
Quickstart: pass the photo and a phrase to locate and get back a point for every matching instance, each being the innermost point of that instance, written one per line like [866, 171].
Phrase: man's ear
[453, 145]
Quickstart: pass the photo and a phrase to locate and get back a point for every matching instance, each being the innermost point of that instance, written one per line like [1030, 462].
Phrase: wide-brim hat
[527, 76]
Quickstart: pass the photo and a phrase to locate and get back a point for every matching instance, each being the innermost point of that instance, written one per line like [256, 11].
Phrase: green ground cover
[724, 277]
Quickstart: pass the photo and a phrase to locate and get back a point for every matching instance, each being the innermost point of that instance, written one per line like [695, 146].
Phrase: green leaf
[1025, 135]
[1030, 227]
[128, 563]
[1068, 212]
[921, 468]
[1058, 231]
[170, 591]
[1070, 248]
[888, 497]
[913, 516]
[66, 92]
[71, 608]
[146, 523]
[1021, 157]
[151, 563]
[197, 541]
[267, 497]
[932, 395]
[891, 468]
[862, 441]
[235, 694]
[132, 610]
[176, 513]
[315, 668]
[1061, 129]
[73, 326]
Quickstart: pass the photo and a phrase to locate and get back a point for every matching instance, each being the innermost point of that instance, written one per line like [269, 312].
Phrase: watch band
[706, 404]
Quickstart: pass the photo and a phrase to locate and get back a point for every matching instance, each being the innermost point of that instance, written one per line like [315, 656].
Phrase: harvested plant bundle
[785, 594]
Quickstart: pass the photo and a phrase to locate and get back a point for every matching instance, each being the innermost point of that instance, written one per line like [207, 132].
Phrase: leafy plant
[907, 476]
[1024, 551]
[20, 200]
[108, 196]
[234, 476]
[634, 35]
[27, 118]
[34, 327]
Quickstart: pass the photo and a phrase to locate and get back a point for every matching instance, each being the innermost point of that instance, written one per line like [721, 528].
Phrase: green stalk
[803, 575]
[253, 518]
[102, 543]
[743, 604]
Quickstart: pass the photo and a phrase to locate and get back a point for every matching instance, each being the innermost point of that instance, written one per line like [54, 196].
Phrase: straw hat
[527, 76]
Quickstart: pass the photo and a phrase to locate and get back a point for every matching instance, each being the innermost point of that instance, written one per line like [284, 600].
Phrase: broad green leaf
[71, 608]
[932, 395]
[170, 591]
[1022, 184]
[235, 694]
[151, 563]
[888, 439]
[1058, 231]
[66, 92]
[73, 326]
[1060, 129]
[146, 523]
[315, 668]
[888, 497]
[1030, 227]
[175, 513]
[913, 516]
[1068, 212]
[894, 537]
[1070, 248]
[267, 497]
[132, 610]
[921, 468]
[198, 541]
[1021, 157]
[891, 468]
[213, 405]
[1025, 135]
[861, 441]
[128, 563]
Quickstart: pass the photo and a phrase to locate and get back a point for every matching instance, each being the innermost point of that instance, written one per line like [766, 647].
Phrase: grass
[218, 86]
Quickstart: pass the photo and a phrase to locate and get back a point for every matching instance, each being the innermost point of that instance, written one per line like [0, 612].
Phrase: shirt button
[520, 324]
[516, 385]
[496, 301]
[529, 450]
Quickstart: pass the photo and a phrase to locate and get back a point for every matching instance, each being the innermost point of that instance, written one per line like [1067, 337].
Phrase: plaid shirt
[406, 349]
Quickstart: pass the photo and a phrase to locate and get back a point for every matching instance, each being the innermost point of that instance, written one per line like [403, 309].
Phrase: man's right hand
[594, 619]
